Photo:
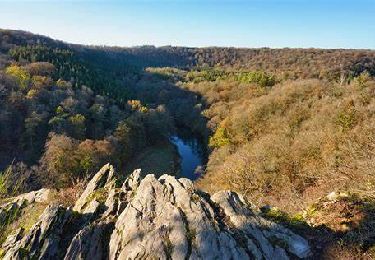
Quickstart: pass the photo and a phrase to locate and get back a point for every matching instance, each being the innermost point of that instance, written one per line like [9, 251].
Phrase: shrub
[220, 138]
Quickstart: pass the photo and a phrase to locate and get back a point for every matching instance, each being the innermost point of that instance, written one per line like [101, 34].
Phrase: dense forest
[283, 127]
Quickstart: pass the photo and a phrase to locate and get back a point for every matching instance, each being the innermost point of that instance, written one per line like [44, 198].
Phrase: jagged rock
[12, 209]
[248, 223]
[18, 202]
[155, 218]
[12, 240]
[43, 240]
[104, 179]
[118, 198]
[168, 218]
[91, 242]
[41, 195]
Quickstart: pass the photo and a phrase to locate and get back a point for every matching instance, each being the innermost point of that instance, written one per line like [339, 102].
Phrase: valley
[290, 130]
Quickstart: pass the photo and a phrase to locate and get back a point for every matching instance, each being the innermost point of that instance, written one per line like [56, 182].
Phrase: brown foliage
[67, 161]
[40, 68]
[294, 142]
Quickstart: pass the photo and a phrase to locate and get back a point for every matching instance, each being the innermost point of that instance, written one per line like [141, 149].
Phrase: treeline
[285, 63]
[291, 63]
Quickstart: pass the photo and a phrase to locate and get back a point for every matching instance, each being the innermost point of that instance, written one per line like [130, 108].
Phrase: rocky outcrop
[43, 240]
[150, 218]
[11, 210]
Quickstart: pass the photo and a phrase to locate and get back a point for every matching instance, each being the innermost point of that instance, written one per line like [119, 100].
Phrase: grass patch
[100, 195]
[296, 221]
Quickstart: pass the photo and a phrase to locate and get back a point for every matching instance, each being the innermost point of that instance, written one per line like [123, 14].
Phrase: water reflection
[192, 155]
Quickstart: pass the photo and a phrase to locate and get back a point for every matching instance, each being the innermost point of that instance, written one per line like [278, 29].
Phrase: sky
[236, 23]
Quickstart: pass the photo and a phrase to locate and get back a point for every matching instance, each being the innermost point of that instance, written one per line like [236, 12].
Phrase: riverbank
[183, 156]
[158, 159]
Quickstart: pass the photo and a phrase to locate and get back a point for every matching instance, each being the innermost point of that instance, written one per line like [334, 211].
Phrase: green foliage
[279, 216]
[130, 135]
[346, 119]
[7, 188]
[206, 74]
[3, 185]
[100, 195]
[70, 66]
[24, 217]
[59, 110]
[21, 75]
[57, 124]
[220, 138]
[166, 73]
[33, 128]
[362, 79]
[261, 78]
[7, 218]
[78, 127]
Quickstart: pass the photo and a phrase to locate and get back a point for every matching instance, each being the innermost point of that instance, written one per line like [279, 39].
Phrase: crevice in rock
[189, 233]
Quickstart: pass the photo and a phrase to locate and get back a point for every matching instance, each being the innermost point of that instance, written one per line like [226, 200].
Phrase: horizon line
[180, 46]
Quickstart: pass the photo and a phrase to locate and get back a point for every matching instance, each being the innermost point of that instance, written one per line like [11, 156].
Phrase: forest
[283, 127]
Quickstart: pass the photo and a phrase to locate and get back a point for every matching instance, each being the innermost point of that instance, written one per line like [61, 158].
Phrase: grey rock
[13, 206]
[150, 218]
[39, 196]
[91, 242]
[262, 232]
[43, 240]
[168, 218]
[104, 179]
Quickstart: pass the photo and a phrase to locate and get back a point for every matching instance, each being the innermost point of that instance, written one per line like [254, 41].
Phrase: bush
[220, 138]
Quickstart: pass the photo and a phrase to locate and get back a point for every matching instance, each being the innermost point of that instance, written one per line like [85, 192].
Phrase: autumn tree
[20, 75]
[60, 160]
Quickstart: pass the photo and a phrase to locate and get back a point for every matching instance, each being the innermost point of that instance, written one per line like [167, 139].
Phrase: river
[192, 154]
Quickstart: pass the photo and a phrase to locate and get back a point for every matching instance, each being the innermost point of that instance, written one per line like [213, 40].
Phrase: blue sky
[251, 23]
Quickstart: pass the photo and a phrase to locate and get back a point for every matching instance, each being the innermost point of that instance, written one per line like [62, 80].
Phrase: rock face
[11, 209]
[149, 218]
